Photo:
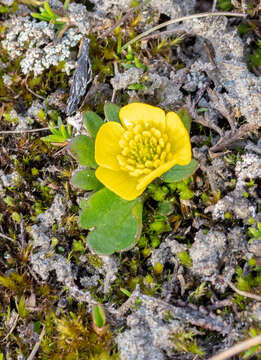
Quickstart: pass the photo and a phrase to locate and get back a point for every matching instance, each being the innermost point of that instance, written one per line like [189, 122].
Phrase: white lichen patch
[37, 44]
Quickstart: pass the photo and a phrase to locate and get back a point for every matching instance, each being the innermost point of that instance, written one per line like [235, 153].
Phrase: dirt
[170, 296]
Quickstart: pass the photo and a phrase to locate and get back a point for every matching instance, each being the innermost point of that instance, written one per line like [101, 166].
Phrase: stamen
[167, 147]
[156, 132]
[163, 156]
[144, 148]
[162, 143]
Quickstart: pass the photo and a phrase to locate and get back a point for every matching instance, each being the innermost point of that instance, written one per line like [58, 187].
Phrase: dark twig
[219, 304]
[221, 107]
[205, 121]
[232, 137]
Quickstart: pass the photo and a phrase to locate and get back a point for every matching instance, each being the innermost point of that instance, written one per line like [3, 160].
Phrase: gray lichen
[206, 252]
[242, 87]
[234, 202]
[35, 42]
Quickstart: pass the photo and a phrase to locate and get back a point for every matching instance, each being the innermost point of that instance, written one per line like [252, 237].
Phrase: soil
[191, 286]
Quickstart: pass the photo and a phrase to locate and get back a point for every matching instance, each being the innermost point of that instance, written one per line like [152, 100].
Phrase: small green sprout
[21, 308]
[254, 232]
[155, 241]
[160, 224]
[182, 187]
[98, 319]
[158, 192]
[16, 217]
[200, 291]
[137, 86]
[60, 135]
[227, 215]
[126, 292]
[146, 252]
[158, 268]
[47, 14]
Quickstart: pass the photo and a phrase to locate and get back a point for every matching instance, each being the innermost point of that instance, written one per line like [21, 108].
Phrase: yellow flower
[144, 146]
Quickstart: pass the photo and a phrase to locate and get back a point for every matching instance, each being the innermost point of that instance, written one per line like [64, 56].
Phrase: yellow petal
[107, 145]
[119, 182]
[135, 112]
[178, 138]
[146, 180]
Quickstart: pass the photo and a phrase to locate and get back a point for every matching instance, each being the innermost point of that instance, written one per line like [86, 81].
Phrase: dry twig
[238, 348]
[25, 131]
[221, 107]
[183, 18]
[12, 328]
[37, 345]
[6, 237]
[243, 293]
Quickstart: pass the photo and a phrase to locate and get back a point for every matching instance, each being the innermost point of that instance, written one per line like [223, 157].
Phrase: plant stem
[183, 18]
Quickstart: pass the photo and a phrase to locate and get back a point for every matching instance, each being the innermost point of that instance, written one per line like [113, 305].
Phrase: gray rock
[109, 269]
[206, 252]
[234, 202]
[7, 2]
[123, 80]
[149, 334]
[167, 251]
[242, 87]
[9, 180]
[54, 213]
[163, 89]
[255, 247]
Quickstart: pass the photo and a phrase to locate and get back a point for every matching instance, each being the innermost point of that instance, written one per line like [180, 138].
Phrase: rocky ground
[191, 287]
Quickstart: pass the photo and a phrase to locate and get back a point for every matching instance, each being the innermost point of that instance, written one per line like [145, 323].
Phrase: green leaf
[111, 112]
[86, 180]
[21, 308]
[54, 139]
[82, 148]
[137, 86]
[99, 316]
[92, 122]
[49, 10]
[185, 117]
[178, 172]
[117, 222]
[126, 292]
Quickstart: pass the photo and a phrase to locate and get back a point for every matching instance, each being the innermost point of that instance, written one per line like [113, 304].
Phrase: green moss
[15, 282]
[185, 259]
[255, 57]
[72, 337]
[224, 5]
[184, 341]
[95, 260]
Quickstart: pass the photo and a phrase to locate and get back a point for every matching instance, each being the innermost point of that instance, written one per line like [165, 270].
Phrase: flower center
[144, 149]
